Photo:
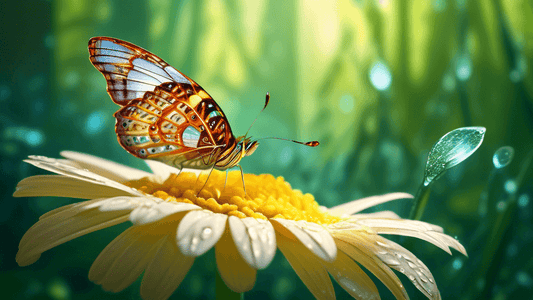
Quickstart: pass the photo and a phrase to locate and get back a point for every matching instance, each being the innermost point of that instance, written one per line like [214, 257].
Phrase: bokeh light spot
[95, 122]
[457, 264]
[32, 137]
[346, 103]
[523, 200]
[380, 76]
[510, 186]
[463, 68]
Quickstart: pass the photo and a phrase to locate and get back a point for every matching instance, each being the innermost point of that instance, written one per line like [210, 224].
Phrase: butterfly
[165, 115]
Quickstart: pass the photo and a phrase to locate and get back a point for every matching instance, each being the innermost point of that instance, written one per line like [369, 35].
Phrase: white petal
[104, 167]
[199, 230]
[63, 186]
[166, 271]
[160, 169]
[124, 259]
[65, 225]
[64, 168]
[255, 239]
[400, 259]
[157, 211]
[313, 236]
[422, 230]
[353, 207]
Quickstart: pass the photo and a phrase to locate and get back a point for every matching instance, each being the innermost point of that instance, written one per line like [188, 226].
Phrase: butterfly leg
[211, 163]
[242, 177]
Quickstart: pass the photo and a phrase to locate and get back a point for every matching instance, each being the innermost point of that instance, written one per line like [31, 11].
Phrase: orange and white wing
[130, 71]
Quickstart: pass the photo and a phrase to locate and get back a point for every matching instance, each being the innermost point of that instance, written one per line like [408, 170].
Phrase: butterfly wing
[165, 115]
[130, 71]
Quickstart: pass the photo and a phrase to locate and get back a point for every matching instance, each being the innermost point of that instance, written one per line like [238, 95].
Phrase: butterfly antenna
[267, 100]
[310, 144]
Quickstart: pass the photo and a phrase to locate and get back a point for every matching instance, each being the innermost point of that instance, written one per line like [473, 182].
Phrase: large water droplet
[503, 157]
[451, 149]
[380, 76]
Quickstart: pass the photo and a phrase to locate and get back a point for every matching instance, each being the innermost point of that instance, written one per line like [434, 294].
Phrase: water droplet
[523, 200]
[257, 252]
[451, 149]
[206, 233]
[457, 264]
[402, 270]
[503, 157]
[463, 68]
[380, 76]
[411, 277]
[382, 244]
[510, 186]
[411, 265]
[390, 260]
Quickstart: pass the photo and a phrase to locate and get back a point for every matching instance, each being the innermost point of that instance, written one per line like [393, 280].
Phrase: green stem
[421, 200]
[223, 292]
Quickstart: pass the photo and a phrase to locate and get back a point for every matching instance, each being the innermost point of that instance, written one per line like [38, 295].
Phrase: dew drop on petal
[206, 233]
[503, 157]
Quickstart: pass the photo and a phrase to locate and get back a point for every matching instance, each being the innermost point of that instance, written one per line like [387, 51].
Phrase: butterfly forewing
[165, 115]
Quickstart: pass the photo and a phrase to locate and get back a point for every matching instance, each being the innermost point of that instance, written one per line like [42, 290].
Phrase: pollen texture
[266, 196]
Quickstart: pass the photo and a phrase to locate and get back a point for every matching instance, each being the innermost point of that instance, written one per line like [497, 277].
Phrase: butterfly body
[165, 115]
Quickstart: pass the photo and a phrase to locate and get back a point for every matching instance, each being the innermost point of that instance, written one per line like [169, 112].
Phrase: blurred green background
[376, 82]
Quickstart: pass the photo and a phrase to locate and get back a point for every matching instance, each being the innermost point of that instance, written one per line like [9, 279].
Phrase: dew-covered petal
[356, 206]
[352, 278]
[312, 273]
[125, 258]
[104, 167]
[400, 259]
[165, 272]
[236, 273]
[199, 230]
[157, 211]
[63, 186]
[418, 229]
[255, 240]
[313, 236]
[367, 259]
[65, 167]
[66, 224]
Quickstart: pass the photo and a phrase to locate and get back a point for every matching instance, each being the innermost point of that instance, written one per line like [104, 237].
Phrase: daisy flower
[172, 225]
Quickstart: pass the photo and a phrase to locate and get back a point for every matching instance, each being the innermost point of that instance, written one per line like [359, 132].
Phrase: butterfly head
[246, 146]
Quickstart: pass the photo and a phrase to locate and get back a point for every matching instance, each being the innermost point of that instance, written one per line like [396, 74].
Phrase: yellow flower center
[266, 196]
